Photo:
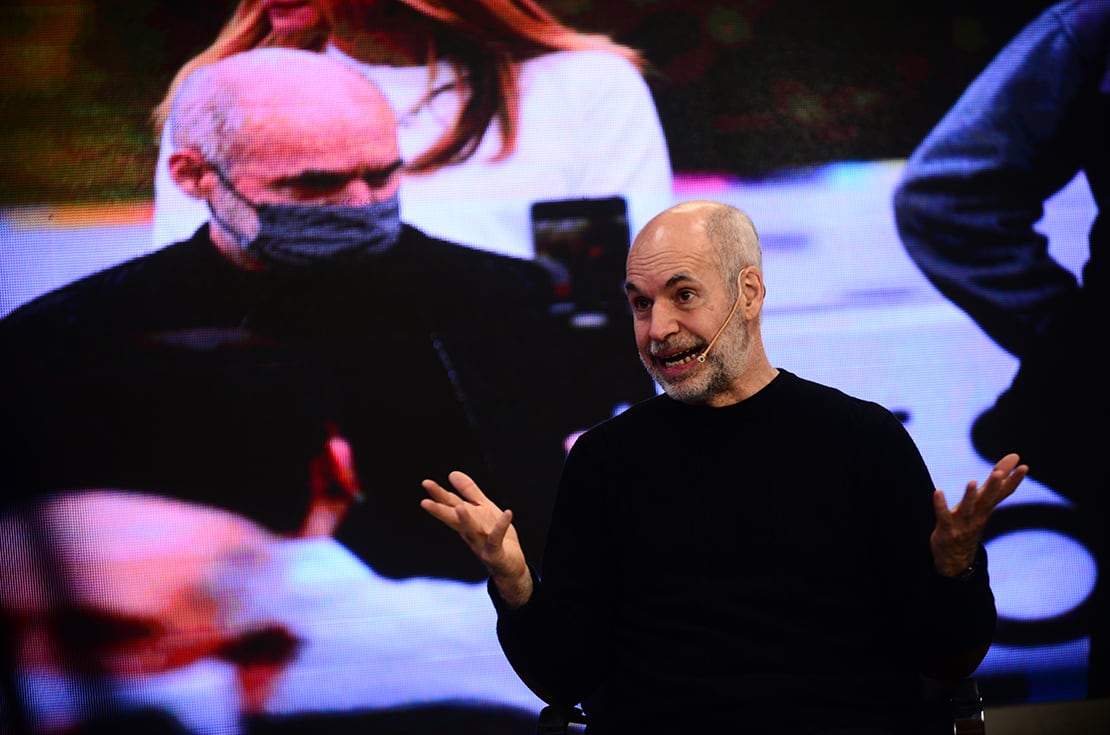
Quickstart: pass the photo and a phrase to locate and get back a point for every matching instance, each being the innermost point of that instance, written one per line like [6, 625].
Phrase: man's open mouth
[678, 358]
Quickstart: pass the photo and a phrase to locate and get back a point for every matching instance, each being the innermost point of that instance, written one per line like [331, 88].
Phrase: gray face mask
[312, 234]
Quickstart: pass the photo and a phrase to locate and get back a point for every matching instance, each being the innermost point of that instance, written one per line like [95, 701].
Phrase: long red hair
[483, 40]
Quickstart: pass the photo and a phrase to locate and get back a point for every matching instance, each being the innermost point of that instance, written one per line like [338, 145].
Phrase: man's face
[299, 146]
[679, 301]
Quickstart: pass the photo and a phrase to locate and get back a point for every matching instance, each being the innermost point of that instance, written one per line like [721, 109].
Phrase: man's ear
[191, 173]
[752, 291]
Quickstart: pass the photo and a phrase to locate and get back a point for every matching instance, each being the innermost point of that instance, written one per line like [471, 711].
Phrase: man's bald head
[222, 107]
[728, 230]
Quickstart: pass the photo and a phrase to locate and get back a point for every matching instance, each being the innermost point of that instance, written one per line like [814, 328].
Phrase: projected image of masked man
[423, 353]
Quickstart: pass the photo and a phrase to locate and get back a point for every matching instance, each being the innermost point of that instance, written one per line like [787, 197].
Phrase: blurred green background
[746, 87]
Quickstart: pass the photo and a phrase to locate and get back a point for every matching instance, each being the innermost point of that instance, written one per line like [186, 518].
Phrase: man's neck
[755, 379]
[229, 249]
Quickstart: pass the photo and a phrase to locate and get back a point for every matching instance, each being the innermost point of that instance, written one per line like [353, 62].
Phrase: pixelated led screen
[194, 610]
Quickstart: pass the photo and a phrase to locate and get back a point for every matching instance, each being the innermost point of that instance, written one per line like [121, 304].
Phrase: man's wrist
[961, 570]
[516, 590]
[968, 572]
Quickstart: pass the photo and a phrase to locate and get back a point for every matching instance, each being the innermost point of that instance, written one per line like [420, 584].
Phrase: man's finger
[1010, 483]
[1003, 480]
[1007, 464]
[440, 512]
[467, 487]
[440, 494]
[971, 494]
[940, 508]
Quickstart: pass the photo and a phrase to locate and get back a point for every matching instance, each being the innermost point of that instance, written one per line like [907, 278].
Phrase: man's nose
[663, 322]
[358, 192]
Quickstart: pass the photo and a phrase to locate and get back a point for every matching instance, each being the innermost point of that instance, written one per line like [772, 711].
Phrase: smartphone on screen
[583, 243]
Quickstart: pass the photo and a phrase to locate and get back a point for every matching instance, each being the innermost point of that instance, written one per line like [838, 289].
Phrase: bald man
[215, 369]
[750, 551]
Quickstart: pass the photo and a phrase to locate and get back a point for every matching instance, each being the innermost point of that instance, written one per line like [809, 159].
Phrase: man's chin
[682, 389]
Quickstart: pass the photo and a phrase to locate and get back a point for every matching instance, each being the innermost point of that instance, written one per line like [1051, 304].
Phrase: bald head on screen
[268, 135]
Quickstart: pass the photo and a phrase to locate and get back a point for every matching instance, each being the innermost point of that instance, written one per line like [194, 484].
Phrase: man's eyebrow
[673, 281]
[311, 173]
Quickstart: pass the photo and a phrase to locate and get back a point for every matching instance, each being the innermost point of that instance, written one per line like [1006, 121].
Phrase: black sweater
[767, 562]
[180, 374]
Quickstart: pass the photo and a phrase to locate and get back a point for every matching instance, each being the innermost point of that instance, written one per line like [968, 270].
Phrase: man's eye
[321, 183]
[640, 304]
[685, 295]
[376, 181]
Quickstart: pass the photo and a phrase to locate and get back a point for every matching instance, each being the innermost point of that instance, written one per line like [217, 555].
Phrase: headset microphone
[735, 304]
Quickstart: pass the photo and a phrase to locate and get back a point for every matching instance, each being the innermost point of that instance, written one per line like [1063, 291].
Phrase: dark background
[745, 88]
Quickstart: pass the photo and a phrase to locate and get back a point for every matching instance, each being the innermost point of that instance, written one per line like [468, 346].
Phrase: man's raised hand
[956, 537]
[486, 529]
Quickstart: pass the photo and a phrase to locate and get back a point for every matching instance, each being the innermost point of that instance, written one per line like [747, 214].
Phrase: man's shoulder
[639, 417]
[115, 287]
[415, 239]
[819, 397]
[469, 264]
[794, 383]
[68, 296]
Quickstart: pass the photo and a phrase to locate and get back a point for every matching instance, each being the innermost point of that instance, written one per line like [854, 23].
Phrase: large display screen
[211, 517]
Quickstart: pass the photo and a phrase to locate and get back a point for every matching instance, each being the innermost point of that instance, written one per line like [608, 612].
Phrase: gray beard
[723, 365]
